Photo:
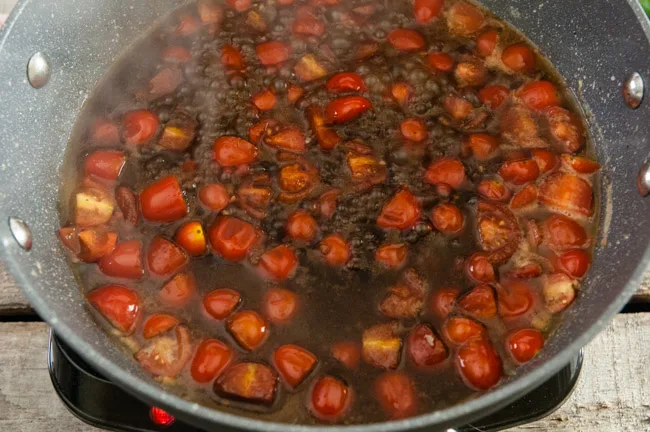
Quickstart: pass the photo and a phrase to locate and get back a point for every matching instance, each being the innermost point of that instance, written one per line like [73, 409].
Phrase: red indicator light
[161, 417]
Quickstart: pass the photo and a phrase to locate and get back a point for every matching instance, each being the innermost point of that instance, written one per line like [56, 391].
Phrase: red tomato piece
[567, 192]
[401, 212]
[164, 257]
[279, 263]
[515, 299]
[104, 132]
[214, 196]
[294, 93]
[346, 108]
[479, 268]
[272, 53]
[483, 146]
[104, 164]
[561, 232]
[289, 138]
[564, 129]
[232, 151]
[163, 201]
[179, 290]
[335, 250]
[165, 82]
[95, 243]
[301, 226]
[499, 232]
[493, 190]
[443, 301]
[231, 58]
[191, 237]
[406, 40]
[293, 363]
[165, 355]
[546, 160]
[471, 73]
[251, 382]
[139, 127]
[425, 348]
[240, 5]
[210, 360]
[580, 164]
[401, 92]
[426, 10]
[327, 203]
[539, 95]
[392, 255]
[118, 304]
[460, 330]
[413, 129]
[158, 324]
[493, 96]
[348, 353]
[519, 172]
[248, 329]
[479, 302]
[519, 58]
[524, 344]
[264, 100]
[307, 23]
[310, 68]
[457, 107]
[279, 304]
[479, 364]
[220, 303]
[125, 261]
[441, 62]
[525, 197]
[232, 238]
[346, 82]
[574, 262]
[464, 19]
[396, 395]
[449, 171]
[486, 42]
[447, 218]
[330, 398]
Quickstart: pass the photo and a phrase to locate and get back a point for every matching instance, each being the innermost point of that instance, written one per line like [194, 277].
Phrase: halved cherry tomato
[449, 171]
[294, 93]
[279, 263]
[441, 62]
[561, 232]
[139, 127]
[232, 151]
[483, 146]
[95, 243]
[413, 129]
[293, 363]
[178, 291]
[214, 196]
[347, 108]
[479, 302]
[251, 382]
[105, 164]
[486, 42]
[524, 344]
[164, 257]
[231, 58]
[248, 329]
[567, 192]
[264, 100]
[166, 356]
[519, 58]
[290, 138]
[493, 96]
[401, 212]
[564, 129]
[519, 172]
[479, 268]
[401, 91]
[220, 303]
[546, 160]
[464, 19]
[272, 53]
[232, 238]
[493, 190]
[104, 132]
[280, 304]
[574, 262]
[348, 353]
[125, 261]
[457, 107]
[211, 358]
[191, 237]
[426, 10]
[460, 330]
[310, 68]
[580, 164]
[443, 301]
[392, 255]
[471, 73]
[240, 5]
[330, 398]
[447, 218]
[559, 292]
[525, 197]
[499, 232]
[118, 304]
[515, 298]
[301, 226]
[157, 324]
[163, 201]
[479, 364]
[346, 82]
[425, 348]
[396, 395]
[539, 95]
[335, 250]
[406, 40]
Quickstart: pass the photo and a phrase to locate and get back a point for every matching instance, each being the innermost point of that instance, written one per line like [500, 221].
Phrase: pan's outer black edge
[83, 37]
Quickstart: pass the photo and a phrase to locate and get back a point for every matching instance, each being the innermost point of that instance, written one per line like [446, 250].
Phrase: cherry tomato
[125, 261]
[479, 268]
[525, 197]
[580, 164]
[449, 171]
[493, 96]
[164, 356]
[211, 358]
[424, 347]
[139, 127]
[479, 302]
[515, 299]
[565, 129]
[158, 324]
[348, 353]
[118, 304]
[486, 42]
[401, 212]
[301, 226]
[441, 62]
[294, 93]
[471, 73]
[289, 138]
[104, 132]
[539, 95]
[346, 108]
[443, 301]
[163, 201]
[248, 329]
[413, 129]
[252, 382]
[396, 395]
[447, 218]
[559, 292]
[293, 363]
[346, 82]
[426, 10]
[392, 255]
[164, 257]
[574, 262]
[335, 250]
[178, 291]
[493, 190]
[231, 58]
[279, 263]
[264, 100]
[214, 196]
[232, 238]
[401, 91]
[310, 68]
[457, 107]
[483, 146]
[330, 398]
[105, 164]
[567, 192]
[406, 40]
[562, 232]
[499, 232]
[220, 303]
[479, 364]
[519, 172]
[191, 237]
[128, 204]
[519, 58]
[546, 160]
[524, 344]
[279, 304]
[460, 330]
[464, 19]
[232, 151]
[327, 203]
[272, 53]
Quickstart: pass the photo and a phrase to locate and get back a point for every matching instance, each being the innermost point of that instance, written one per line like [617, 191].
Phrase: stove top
[100, 403]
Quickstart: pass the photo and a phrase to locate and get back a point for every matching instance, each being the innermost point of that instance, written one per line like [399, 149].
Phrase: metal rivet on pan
[633, 90]
[38, 70]
[643, 179]
[21, 233]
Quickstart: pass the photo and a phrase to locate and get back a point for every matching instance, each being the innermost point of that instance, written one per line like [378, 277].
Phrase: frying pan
[596, 46]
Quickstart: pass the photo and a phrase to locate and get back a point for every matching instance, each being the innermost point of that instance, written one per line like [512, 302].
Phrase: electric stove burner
[100, 403]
